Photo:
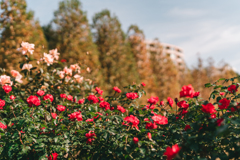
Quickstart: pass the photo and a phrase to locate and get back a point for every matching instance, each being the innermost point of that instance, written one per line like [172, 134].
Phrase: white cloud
[186, 12]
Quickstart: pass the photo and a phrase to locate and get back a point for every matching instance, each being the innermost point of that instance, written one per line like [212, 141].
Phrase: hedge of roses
[50, 112]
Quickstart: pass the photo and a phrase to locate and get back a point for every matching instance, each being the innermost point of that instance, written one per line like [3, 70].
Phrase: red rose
[100, 99]
[63, 60]
[148, 107]
[2, 104]
[95, 117]
[48, 97]
[93, 99]
[89, 120]
[222, 93]
[232, 89]
[116, 89]
[187, 127]
[159, 119]
[134, 121]
[3, 126]
[61, 108]
[70, 98]
[162, 103]
[183, 104]
[135, 140]
[105, 105]
[53, 156]
[143, 84]
[150, 125]
[99, 91]
[170, 101]
[33, 100]
[172, 152]
[149, 135]
[183, 112]
[81, 101]
[233, 109]
[132, 96]
[208, 108]
[196, 94]
[12, 97]
[121, 109]
[75, 115]
[187, 91]
[63, 95]
[7, 88]
[220, 122]
[54, 115]
[90, 134]
[153, 100]
[40, 93]
[224, 103]
[213, 116]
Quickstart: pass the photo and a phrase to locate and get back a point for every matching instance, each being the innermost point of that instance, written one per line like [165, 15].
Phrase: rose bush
[50, 111]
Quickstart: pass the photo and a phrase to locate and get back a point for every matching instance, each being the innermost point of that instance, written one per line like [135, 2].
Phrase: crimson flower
[61, 108]
[132, 96]
[153, 100]
[81, 101]
[187, 127]
[63, 95]
[70, 98]
[143, 84]
[121, 109]
[224, 103]
[134, 121]
[220, 122]
[7, 88]
[2, 104]
[149, 135]
[48, 97]
[183, 104]
[105, 105]
[3, 126]
[162, 103]
[53, 156]
[187, 91]
[208, 108]
[40, 93]
[232, 89]
[135, 140]
[75, 115]
[116, 89]
[33, 100]
[12, 97]
[170, 101]
[159, 119]
[172, 152]
[54, 115]
[93, 99]
[99, 91]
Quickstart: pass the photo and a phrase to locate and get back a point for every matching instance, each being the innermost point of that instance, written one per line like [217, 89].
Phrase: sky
[201, 28]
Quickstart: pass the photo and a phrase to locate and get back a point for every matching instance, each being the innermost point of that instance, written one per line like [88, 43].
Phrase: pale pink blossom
[54, 53]
[75, 67]
[26, 47]
[61, 74]
[48, 59]
[5, 80]
[89, 81]
[88, 69]
[27, 66]
[16, 75]
[78, 78]
[68, 71]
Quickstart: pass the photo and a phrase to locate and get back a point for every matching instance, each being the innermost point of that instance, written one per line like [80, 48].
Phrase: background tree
[17, 25]
[70, 33]
[117, 61]
[136, 39]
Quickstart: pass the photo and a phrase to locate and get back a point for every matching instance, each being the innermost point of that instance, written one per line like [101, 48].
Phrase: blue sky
[205, 28]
